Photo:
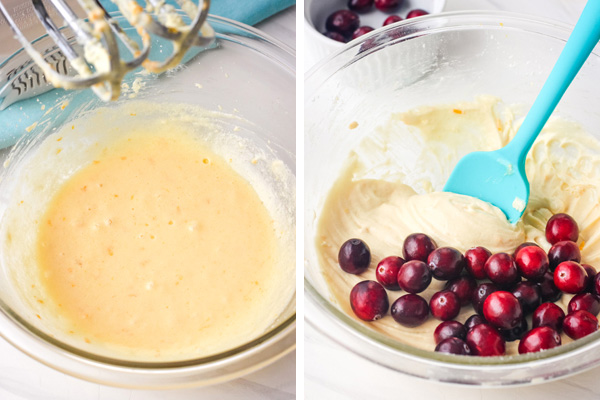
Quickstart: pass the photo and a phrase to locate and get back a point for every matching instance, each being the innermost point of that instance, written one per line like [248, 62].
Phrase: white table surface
[332, 372]
[24, 378]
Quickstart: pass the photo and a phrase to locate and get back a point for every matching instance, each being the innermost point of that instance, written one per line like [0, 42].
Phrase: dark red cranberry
[463, 287]
[336, 36]
[386, 272]
[484, 340]
[453, 345]
[473, 320]
[410, 310]
[516, 333]
[343, 21]
[502, 270]
[446, 263]
[579, 324]
[444, 305]
[532, 262]
[522, 246]
[369, 300]
[360, 6]
[414, 276]
[548, 314]
[502, 310]
[449, 329]
[529, 295]
[549, 290]
[363, 30]
[584, 301]
[480, 294]
[538, 339]
[597, 284]
[476, 258]
[570, 277]
[417, 246]
[563, 251]
[561, 227]
[354, 256]
[387, 5]
[591, 273]
[416, 13]
[391, 20]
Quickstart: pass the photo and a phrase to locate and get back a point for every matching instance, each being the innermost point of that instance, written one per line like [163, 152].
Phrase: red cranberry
[476, 259]
[561, 227]
[369, 300]
[387, 5]
[446, 263]
[343, 21]
[386, 272]
[579, 324]
[563, 251]
[360, 6]
[529, 296]
[453, 345]
[410, 310]
[480, 294]
[570, 277]
[416, 13]
[444, 305]
[548, 314]
[502, 310]
[354, 256]
[532, 262]
[584, 301]
[591, 273]
[336, 36]
[484, 340]
[462, 287]
[538, 339]
[417, 246]
[414, 276]
[391, 20]
[522, 246]
[501, 269]
[549, 290]
[516, 333]
[363, 30]
[449, 329]
[473, 320]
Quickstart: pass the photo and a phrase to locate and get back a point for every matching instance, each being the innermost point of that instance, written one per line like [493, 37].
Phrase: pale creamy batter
[391, 187]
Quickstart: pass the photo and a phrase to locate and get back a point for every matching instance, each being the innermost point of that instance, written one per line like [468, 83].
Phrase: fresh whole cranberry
[591, 273]
[476, 258]
[338, 37]
[386, 272]
[502, 310]
[444, 305]
[360, 6]
[343, 21]
[584, 301]
[529, 295]
[414, 276]
[387, 5]
[538, 339]
[532, 262]
[416, 13]
[561, 227]
[480, 294]
[391, 20]
[570, 277]
[449, 329]
[473, 320]
[484, 340]
[579, 324]
[516, 333]
[453, 345]
[462, 287]
[549, 290]
[354, 256]
[446, 263]
[522, 246]
[410, 310]
[501, 269]
[548, 314]
[563, 251]
[597, 284]
[363, 30]
[369, 300]
[417, 246]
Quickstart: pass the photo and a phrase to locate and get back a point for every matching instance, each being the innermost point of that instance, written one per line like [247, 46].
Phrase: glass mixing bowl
[246, 74]
[439, 59]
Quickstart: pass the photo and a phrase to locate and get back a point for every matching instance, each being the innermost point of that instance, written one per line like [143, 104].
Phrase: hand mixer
[98, 50]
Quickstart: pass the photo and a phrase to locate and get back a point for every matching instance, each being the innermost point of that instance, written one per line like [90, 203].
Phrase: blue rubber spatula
[498, 177]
